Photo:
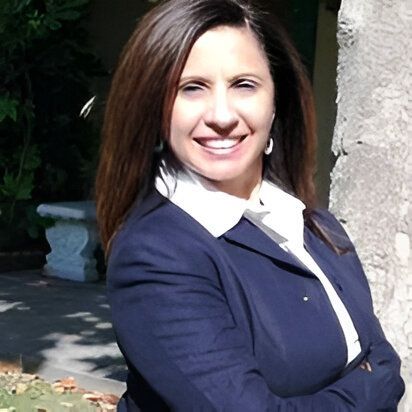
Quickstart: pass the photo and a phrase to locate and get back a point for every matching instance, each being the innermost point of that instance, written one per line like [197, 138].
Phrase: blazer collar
[244, 233]
[247, 235]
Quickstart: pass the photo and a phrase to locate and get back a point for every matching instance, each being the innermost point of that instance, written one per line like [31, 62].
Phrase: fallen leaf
[68, 384]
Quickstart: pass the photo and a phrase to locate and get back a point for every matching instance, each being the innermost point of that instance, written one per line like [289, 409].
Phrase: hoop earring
[269, 147]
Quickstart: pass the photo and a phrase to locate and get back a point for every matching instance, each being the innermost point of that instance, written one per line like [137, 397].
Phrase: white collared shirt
[277, 210]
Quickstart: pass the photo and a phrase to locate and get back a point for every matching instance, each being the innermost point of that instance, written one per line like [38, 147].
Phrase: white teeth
[220, 143]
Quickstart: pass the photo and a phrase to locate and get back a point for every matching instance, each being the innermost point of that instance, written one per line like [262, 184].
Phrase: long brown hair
[144, 87]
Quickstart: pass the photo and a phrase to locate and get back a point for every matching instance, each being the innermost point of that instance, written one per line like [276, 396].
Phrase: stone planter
[73, 240]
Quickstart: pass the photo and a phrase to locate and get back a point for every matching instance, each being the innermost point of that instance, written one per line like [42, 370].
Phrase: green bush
[47, 151]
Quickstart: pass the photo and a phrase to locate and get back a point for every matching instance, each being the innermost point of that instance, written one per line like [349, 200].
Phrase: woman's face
[224, 110]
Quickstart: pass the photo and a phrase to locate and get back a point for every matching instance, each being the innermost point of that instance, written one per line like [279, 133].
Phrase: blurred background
[55, 56]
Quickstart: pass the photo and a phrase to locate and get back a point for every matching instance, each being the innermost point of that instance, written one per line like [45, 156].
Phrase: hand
[365, 365]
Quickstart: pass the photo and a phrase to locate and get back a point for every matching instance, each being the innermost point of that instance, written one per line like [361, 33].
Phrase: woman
[229, 290]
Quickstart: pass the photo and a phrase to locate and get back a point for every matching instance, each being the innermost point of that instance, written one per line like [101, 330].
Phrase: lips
[220, 143]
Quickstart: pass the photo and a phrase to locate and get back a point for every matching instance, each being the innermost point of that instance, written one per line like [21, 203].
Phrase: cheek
[258, 112]
[176, 123]
[179, 138]
[260, 123]
[183, 121]
[268, 118]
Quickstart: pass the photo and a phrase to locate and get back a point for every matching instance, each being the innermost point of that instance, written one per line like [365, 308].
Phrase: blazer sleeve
[175, 328]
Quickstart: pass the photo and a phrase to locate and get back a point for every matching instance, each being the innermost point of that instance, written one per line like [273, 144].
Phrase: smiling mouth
[220, 143]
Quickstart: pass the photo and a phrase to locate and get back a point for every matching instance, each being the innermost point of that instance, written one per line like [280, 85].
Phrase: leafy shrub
[47, 151]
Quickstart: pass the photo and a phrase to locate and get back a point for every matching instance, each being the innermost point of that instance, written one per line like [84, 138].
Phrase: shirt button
[305, 298]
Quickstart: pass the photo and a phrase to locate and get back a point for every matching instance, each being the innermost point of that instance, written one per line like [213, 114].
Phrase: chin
[229, 182]
[221, 176]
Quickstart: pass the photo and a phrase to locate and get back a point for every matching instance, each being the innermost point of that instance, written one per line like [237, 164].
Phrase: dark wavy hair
[144, 87]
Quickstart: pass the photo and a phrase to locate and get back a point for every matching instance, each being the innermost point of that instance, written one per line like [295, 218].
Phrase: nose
[221, 115]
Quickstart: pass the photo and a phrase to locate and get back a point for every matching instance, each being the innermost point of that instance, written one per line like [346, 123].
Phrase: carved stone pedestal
[73, 240]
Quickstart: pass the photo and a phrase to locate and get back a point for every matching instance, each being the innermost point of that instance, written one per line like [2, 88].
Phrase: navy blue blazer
[220, 324]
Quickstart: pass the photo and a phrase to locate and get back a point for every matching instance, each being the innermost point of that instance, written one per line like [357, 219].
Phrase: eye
[245, 84]
[191, 88]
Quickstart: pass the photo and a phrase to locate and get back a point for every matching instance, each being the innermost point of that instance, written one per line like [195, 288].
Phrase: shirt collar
[219, 212]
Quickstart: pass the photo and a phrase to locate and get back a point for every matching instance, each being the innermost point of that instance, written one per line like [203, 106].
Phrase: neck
[245, 189]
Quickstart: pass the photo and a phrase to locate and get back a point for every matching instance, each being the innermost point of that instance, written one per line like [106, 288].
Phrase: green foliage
[47, 151]
[8, 108]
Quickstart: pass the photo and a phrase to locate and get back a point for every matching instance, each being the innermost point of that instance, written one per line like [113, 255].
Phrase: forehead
[229, 47]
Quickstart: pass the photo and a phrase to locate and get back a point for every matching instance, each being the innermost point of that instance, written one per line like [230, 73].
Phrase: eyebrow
[231, 80]
[191, 78]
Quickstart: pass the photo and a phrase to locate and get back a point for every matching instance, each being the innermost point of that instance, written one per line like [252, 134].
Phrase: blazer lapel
[249, 236]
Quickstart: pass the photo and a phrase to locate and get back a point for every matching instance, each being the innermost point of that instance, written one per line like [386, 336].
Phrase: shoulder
[157, 234]
[338, 235]
[158, 219]
[333, 227]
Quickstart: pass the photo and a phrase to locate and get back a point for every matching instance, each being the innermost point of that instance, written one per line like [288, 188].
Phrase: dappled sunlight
[91, 319]
[78, 315]
[103, 325]
[62, 323]
[5, 305]
[87, 333]
[72, 351]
